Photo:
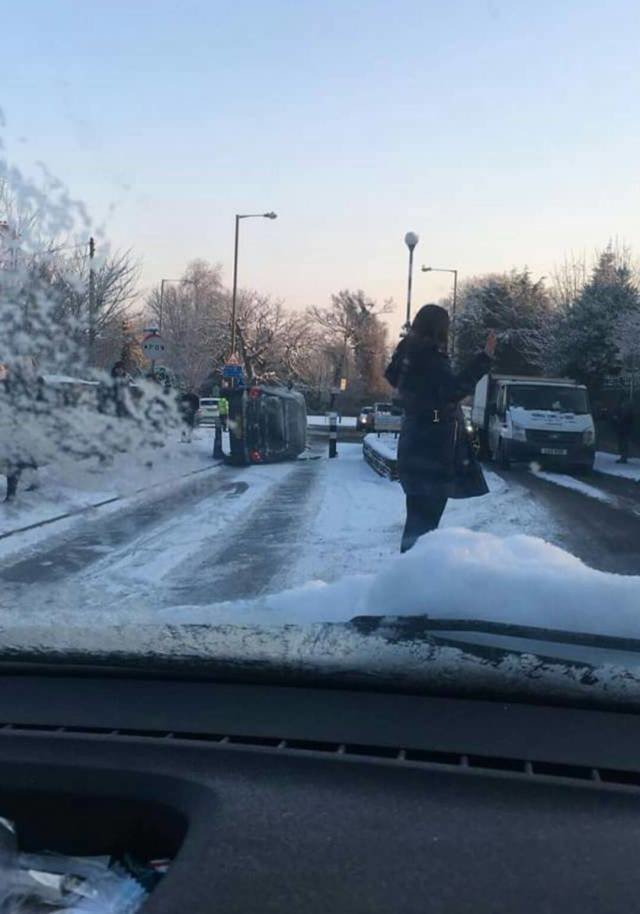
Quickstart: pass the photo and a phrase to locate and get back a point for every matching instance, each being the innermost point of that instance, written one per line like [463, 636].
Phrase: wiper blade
[415, 625]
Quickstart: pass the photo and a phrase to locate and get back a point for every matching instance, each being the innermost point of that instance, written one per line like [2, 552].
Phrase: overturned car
[266, 424]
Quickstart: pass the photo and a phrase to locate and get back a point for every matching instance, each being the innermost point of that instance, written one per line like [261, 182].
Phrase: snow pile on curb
[455, 573]
[577, 485]
[66, 488]
[385, 445]
[608, 463]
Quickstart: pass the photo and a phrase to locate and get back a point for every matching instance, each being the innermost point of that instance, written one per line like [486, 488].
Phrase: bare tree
[274, 344]
[195, 319]
[352, 324]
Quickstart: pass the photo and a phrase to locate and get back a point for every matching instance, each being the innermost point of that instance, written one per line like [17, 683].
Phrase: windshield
[551, 399]
[271, 276]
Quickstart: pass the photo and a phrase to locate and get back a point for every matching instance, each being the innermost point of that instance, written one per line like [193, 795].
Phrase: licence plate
[554, 451]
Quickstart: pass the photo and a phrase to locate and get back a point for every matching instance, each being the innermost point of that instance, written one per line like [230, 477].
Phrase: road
[233, 534]
[601, 528]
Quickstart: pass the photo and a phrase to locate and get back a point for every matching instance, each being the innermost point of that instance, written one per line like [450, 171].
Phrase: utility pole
[453, 314]
[455, 302]
[235, 287]
[92, 301]
[234, 293]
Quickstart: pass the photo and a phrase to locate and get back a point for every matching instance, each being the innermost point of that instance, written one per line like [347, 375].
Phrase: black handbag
[469, 481]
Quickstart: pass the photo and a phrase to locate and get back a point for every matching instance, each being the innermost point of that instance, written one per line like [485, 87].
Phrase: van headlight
[588, 436]
[519, 433]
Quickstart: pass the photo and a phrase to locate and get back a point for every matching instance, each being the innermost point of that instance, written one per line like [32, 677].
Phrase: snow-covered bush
[85, 413]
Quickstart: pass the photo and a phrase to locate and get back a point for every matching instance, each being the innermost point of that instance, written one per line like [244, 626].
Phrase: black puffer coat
[435, 456]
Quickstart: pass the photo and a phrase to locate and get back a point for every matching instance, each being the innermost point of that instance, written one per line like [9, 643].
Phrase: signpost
[154, 347]
[232, 370]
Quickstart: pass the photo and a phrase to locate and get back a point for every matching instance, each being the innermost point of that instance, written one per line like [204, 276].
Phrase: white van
[547, 420]
[386, 417]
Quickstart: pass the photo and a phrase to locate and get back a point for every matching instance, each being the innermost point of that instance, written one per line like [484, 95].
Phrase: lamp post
[411, 240]
[187, 282]
[235, 269]
[455, 300]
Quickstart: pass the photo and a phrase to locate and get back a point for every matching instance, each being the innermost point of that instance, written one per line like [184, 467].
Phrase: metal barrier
[381, 463]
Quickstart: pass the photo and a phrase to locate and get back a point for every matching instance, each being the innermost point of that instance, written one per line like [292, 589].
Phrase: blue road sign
[232, 371]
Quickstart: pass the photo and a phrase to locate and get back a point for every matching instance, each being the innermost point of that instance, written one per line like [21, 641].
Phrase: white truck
[542, 420]
[386, 418]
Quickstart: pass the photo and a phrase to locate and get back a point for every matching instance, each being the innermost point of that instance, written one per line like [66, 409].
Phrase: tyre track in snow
[604, 534]
[97, 535]
[260, 549]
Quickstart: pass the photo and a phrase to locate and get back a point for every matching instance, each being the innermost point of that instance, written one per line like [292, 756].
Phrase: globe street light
[235, 270]
[411, 240]
[455, 300]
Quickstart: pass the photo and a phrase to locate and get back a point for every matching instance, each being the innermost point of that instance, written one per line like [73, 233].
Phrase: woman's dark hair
[431, 323]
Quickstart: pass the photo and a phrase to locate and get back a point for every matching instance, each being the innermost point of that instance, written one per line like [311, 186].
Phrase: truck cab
[545, 420]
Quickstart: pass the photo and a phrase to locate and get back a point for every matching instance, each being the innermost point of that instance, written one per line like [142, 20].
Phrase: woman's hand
[490, 345]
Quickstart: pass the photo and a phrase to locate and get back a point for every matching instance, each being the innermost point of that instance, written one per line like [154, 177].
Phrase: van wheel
[502, 457]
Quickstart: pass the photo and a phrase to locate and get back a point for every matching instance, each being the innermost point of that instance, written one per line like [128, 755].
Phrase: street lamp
[411, 240]
[455, 300]
[235, 269]
[188, 282]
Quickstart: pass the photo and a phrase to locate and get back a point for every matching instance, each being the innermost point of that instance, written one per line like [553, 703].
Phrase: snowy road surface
[228, 534]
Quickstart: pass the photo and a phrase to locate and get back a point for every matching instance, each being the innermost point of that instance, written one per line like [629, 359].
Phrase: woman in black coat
[435, 458]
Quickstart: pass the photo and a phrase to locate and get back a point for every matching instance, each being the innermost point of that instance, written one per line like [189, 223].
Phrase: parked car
[208, 412]
[527, 418]
[364, 422]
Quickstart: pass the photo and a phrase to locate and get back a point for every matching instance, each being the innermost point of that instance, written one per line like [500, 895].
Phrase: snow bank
[570, 482]
[66, 488]
[607, 463]
[456, 573]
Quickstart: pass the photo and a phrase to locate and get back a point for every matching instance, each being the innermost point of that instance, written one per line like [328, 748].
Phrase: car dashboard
[276, 798]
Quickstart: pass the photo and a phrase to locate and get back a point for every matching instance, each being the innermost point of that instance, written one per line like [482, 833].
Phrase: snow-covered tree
[627, 339]
[589, 339]
[513, 305]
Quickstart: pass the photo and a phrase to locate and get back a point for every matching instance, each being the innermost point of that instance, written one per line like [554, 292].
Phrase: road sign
[153, 346]
[230, 370]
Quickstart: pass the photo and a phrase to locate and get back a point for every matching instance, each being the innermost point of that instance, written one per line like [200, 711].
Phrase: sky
[505, 134]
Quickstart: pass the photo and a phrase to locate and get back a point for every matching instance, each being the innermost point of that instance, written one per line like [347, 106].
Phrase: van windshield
[553, 399]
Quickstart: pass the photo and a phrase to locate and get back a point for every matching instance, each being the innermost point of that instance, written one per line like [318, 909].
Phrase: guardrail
[379, 459]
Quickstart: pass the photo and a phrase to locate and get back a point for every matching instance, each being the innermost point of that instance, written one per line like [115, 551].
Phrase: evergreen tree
[586, 344]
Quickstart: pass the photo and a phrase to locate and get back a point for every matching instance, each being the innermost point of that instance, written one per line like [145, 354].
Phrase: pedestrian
[19, 388]
[120, 379]
[622, 420]
[436, 460]
[189, 404]
[223, 412]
